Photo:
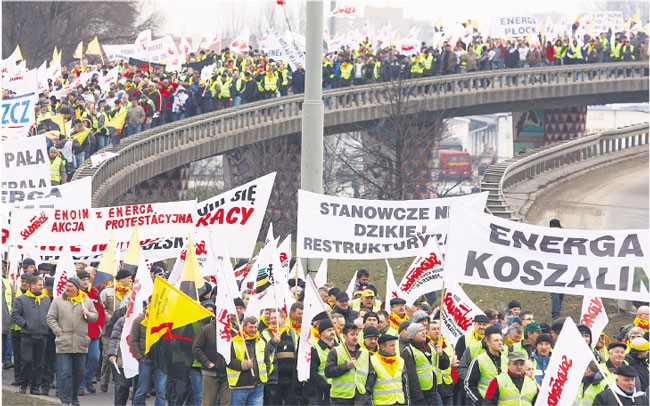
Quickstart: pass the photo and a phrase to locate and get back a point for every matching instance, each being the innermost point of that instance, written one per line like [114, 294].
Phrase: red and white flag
[140, 291]
[184, 47]
[313, 305]
[267, 293]
[240, 43]
[345, 10]
[226, 293]
[566, 368]
[143, 38]
[65, 269]
[424, 275]
[284, 253]
[458, 312]
[594, 316]
[392, 290]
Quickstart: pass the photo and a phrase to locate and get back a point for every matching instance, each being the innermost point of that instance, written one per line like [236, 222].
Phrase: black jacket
[31, 318]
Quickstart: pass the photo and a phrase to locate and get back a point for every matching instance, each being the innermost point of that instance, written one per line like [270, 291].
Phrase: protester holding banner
[213, 367]
[68, 319]
[423, 361]
[486, 366]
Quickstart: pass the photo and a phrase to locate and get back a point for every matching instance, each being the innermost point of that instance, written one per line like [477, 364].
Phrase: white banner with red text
[490, 251]
[458, 312]
[348, 228]
[594, 316]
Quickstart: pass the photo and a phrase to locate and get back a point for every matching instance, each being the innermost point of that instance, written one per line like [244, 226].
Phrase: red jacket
[95, 328]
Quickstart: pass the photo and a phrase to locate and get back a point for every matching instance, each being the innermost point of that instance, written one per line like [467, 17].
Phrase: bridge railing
[167, 138]
[550, 157]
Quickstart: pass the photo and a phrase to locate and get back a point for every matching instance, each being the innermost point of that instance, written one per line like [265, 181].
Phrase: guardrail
[154, 151]
[550, 157]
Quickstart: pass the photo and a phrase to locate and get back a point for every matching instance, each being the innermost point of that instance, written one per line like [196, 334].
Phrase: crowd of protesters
[151, 96]
[363, 352]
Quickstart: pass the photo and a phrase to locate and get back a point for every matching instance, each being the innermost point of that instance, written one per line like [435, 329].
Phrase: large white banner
[72, 194]
[424, 275]
[25, 167]
[17, 116]
[122, 51]
[458, 312]
[603, 21]
[490, 251]
[236, 215]
[22, 81]
[569, 359]
[283, 48]
[513, 26]
[348, 228]
[87, 226]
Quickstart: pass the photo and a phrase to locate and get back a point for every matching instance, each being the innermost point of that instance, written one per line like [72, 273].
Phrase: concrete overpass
[170, 146]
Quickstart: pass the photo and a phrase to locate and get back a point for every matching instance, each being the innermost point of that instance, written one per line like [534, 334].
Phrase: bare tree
[40, 26]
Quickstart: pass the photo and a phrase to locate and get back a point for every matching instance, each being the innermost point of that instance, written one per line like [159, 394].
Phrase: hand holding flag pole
[618, 400]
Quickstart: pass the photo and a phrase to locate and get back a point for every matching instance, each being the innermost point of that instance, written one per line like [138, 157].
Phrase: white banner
[204, 258]
[458, 312]
[282, 48]
[565, 370]
[123, 52]
[490, 251]
[594, 316]
[348, 228]
[513, 26]
[603, 21]
[161, 50]
[392, 291]
[93, 226]
[21, 81]
[313, 306]
[238, 212]
[424, 275]
[72, 194]
[25, 167]
[17, 116]
[226, 293]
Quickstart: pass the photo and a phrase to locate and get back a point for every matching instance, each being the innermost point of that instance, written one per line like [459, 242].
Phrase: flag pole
[241, 334]
[442, 298]
[341, 341]
[295, 288]
[593, 357]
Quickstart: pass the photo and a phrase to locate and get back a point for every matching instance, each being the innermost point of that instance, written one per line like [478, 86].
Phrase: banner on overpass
[513, 26]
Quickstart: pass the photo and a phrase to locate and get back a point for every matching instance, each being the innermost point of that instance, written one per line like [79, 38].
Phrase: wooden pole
[442, 299]
[295, 288]
[241, 334]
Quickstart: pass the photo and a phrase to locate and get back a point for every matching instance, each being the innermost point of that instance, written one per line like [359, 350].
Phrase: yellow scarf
[37, 299]
[509, 341]
[315, 333]
[121, 292]
[81, 296]
[395, 320]
[644, 324]
[478, 336]
[273, 330]
[390, 363]
[295, 326]
[247, 337]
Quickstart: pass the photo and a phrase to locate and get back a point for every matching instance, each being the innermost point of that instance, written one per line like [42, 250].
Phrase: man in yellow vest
[422, 361]
[16, 335]
[485, 367]
[397, 314]
[591, 385]
[250, 363]
[389, 386]
[446, 389]
[7, 301]
[319, 384]
[58, 173]
[514, 387]
[348, 365]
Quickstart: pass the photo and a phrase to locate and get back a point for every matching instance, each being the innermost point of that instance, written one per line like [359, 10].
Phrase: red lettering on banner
[459, 314]
[35, 223]
[134, 291]
[556, 384]
[234, 215]
[427, 263]
[224, 322]
[70, 226]
[594, 310]
[283, 257]
[5, 236]
[60, 287]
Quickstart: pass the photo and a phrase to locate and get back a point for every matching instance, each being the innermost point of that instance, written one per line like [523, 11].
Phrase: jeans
[556, 304]
[248, 397]
[15, 345]
[33, 353]
[92, 362]
[147, 373]
[237, 101]
[133, 129]
[102, 141]
[69, 373]
[79, 159]
[183, 386]
[146, 126]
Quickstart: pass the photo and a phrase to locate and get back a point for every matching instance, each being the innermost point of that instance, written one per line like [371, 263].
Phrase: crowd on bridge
[365, 349]
[145, 95]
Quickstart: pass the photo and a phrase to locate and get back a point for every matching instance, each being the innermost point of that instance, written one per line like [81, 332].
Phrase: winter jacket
[69, 325]
[137, 342]
[114, 341]
[95, 328]
[205, 351]
[607, 398]
[31, 318]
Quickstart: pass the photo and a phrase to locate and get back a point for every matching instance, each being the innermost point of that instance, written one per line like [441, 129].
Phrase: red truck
[454, 165]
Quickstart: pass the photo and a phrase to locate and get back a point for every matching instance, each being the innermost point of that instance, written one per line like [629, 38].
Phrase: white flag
[266, 292]
[392, 290]
[351, 285]
[141, 290]
[594, 316]
[566, 368]
[458, 312]
[321, 276]
[284, 251]
[313, 305]
[424, 275]
[226, 293]
[143, 38]
[64, 270]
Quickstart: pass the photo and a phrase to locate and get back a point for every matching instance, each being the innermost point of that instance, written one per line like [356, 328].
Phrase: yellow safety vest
[356, 305]
[15, 327]
[509, 395]
[322, 357]
[270, 83]
[285, 77]
[424, 368]
[240, 353]
[616, 50]
[343, 387]
[416, 67]
[587, 398]
[428, 62]
[55, 169]
[225, 89]
[388, 389]
[346, 71]
[8, 296]
[489, 370]
[576, 51]
[446, 373]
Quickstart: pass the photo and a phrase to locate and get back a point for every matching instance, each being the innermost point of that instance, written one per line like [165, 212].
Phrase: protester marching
[178, 303]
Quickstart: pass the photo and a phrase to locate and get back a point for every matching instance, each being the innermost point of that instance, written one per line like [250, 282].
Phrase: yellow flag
[192, 278]
[55, 56]
[93, 47]
[18, 56]
[78, 53]
[81, 136]
[132, 256]
[108, 263]
[170, 309]
[115, 124]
